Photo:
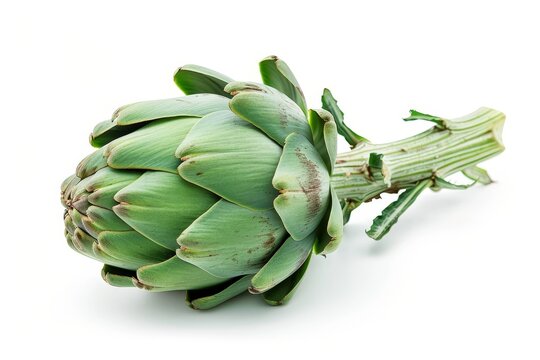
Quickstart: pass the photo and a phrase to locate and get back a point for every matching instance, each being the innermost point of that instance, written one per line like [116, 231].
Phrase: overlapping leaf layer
[217, 192]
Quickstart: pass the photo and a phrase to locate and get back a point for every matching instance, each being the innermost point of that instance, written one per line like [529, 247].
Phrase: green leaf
[107, 258]
[105, 183]
[440, 183]
[330, 104]
[194, 79]
[84, 243]
[104, 196]
[66, 188]
[283, 292]
[274, 114]
[82, 204]
[478, 174]
[162, 198]
[323, 129]
[129, 118]
[76, 217]
[235, 87]
[416, 115]
[78, 196]
[117, 276]
[330, 231]
[231, 158]
[230, 240]
[107, 131]
[277, 74]
[99, 219]
[390, 215]
[288, 258]
[151, 147]
[208, 298]
[69, 239]
[375, 161]
[197, 105]
[175, 274]
[304, 185]
[68, 224]
[132, 247]
[92, 163]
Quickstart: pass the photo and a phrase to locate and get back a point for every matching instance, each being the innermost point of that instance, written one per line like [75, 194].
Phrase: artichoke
[234, 186]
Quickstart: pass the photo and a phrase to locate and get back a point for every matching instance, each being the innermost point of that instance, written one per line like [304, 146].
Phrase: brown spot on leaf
[269, 243]
[312, 188]
[282, 113]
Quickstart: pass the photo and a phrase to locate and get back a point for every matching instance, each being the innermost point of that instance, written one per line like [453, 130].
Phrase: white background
[458, 276]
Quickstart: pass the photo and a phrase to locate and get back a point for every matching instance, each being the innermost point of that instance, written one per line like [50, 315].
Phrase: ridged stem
[438, 152]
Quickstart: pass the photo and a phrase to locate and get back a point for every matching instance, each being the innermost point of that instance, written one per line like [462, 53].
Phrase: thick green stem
[445, 149]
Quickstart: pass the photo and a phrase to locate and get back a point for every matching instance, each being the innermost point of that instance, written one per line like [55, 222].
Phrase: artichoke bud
[217, 192]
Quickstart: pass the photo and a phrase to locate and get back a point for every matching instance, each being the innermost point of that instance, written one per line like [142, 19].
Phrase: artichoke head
[224, 190]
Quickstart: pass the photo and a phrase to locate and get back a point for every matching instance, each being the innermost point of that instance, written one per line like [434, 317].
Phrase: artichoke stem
[437, 152]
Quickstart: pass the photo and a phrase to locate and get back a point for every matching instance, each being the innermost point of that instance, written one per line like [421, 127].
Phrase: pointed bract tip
[254, 291]
[271, 57]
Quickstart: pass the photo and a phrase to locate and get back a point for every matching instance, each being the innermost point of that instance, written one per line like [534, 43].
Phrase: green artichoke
[234, 186]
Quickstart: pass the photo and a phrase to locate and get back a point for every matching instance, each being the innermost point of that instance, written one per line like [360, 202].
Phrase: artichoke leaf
[288, 258]
[162, 198]
[176, 274]
[390, 215]
[76, 217]
[197, 105]
[133, 248]
[69, 239]
[236, 87]
[208, 298]
[92, 163]
[104, 197]
[105, 183]
[330, 232]
[476, 173]
[417, 115]
[330, 104]
[151, 147]
[131, 117]
[107, 258]
[66, 188]
[231, 240]
[304, 185]
[68, 224]
[98, 219]
[84, 244]
[440, 183]
[283, 292]
[195, 79]
[108, 176]
[277, 74]
[117, 276]
[107, 131]
[274, 114]
[324, 133]
[231, 158]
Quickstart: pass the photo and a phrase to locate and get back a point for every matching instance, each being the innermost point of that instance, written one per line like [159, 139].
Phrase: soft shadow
[133, 307]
